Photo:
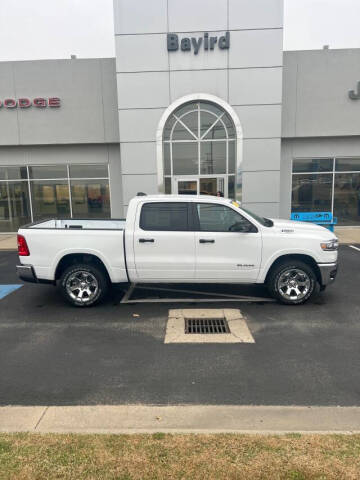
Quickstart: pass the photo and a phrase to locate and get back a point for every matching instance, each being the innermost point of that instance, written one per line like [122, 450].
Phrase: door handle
[202, 240]
[146, 240]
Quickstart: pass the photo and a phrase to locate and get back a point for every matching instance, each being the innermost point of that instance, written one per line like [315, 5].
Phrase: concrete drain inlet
[207, 326]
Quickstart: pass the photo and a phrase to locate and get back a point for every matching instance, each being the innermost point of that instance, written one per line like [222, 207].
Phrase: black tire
[92, 292]
[305, 282]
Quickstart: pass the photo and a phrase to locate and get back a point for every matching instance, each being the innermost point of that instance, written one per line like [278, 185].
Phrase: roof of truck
[182, 198]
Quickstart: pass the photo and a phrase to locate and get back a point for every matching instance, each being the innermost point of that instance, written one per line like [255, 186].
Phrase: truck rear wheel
[84, 285]
[292, 282]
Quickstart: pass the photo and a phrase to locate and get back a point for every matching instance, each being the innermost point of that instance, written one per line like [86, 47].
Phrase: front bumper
[26, 273]
[328, 272]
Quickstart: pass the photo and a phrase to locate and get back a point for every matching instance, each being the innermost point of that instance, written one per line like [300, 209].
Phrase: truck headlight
[331, 246]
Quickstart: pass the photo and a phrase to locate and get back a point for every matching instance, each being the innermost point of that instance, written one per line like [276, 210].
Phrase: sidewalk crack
[41, 417]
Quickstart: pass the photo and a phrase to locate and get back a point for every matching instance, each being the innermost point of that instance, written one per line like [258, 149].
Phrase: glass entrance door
[200, 186]
[186, 186]
[212, 185]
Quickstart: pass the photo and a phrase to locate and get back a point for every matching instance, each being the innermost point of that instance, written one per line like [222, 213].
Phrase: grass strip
[164, 456]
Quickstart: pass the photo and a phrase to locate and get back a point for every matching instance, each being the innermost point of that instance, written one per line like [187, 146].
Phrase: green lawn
[160, 456]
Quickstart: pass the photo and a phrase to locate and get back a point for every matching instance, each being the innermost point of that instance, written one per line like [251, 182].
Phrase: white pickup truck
[179, 239]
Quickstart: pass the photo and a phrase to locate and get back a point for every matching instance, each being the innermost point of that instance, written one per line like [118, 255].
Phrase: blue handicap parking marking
[7, 289]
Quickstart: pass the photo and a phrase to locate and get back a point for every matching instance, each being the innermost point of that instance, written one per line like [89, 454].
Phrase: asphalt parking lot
[54, 354]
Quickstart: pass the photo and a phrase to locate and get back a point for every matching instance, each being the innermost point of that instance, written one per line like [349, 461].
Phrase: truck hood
[289, 226]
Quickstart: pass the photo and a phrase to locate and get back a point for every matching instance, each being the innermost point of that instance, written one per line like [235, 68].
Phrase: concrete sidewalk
[348, 235]
[180, 419]
[8, 242]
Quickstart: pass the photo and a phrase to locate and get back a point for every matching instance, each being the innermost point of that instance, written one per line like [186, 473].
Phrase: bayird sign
[188, 44]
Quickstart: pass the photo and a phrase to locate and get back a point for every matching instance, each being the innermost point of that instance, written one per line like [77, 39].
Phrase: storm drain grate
[206, 326]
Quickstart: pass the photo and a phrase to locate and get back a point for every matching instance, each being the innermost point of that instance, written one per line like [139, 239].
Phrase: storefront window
[90, 199]
[309, 165]
[53, 171]
[312, 193]
[347, 165]
[89, 171]
[14, 206]
[337, 191]
[84, 192]
[50, 199]
[347, 198]
[13, 173]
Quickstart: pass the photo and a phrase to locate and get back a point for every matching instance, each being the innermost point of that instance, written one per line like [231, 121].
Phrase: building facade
[59, 141]
[199, 99]
[320, 164]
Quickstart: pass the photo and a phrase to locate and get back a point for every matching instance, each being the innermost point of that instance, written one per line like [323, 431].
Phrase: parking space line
[195, 292]
[128, 293]
[7, 289]
[221, 297]
[355, 248]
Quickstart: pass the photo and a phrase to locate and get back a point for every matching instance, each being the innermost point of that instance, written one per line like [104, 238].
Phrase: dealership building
[200, 98]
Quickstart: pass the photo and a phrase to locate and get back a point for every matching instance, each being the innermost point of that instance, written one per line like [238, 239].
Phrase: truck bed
[51, 240]
[79, 224]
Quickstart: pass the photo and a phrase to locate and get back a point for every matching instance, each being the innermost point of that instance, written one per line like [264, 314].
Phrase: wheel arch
[310, 261]
[77, 258]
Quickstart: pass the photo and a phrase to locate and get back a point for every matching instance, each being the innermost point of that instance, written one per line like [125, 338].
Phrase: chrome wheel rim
[294, 284]
[82, 286]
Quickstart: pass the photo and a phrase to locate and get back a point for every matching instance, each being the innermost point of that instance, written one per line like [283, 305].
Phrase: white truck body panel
[48, 246]
[173, 256]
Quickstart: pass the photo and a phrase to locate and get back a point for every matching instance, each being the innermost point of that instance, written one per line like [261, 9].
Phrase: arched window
[199, 150]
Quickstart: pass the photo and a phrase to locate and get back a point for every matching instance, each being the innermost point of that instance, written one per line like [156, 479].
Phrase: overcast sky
[31, 29]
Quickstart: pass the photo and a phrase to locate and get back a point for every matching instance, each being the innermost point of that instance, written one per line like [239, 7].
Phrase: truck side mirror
[243, 228]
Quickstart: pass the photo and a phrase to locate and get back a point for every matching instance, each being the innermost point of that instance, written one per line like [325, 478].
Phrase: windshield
[266, 222]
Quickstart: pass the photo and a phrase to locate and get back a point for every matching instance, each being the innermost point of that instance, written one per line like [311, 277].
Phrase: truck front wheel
[83, 285]
[292, 282]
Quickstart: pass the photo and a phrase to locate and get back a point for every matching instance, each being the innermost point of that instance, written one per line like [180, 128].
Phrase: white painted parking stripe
[355, 248]
[128, 293]
[220, 297]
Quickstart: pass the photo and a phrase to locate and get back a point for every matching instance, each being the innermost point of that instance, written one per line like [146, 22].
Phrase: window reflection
[337, 191]
[90, 199]
[14, 206]
[52, 171]
[301, 165]
[199, 140]
[213, 158]
[88, 171]
[312, 193]
[50, 199]
[218, 218]
[185, 158]
[50, 193]
[347, 198]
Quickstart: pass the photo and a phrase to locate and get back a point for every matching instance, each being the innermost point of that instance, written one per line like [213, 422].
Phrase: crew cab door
[228, 246]
[164, 246]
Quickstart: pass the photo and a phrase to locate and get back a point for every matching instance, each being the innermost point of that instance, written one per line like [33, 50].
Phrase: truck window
[219, 218]
[165, 216]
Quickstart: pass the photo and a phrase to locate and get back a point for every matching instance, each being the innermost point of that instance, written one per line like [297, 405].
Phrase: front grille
[206, 326]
